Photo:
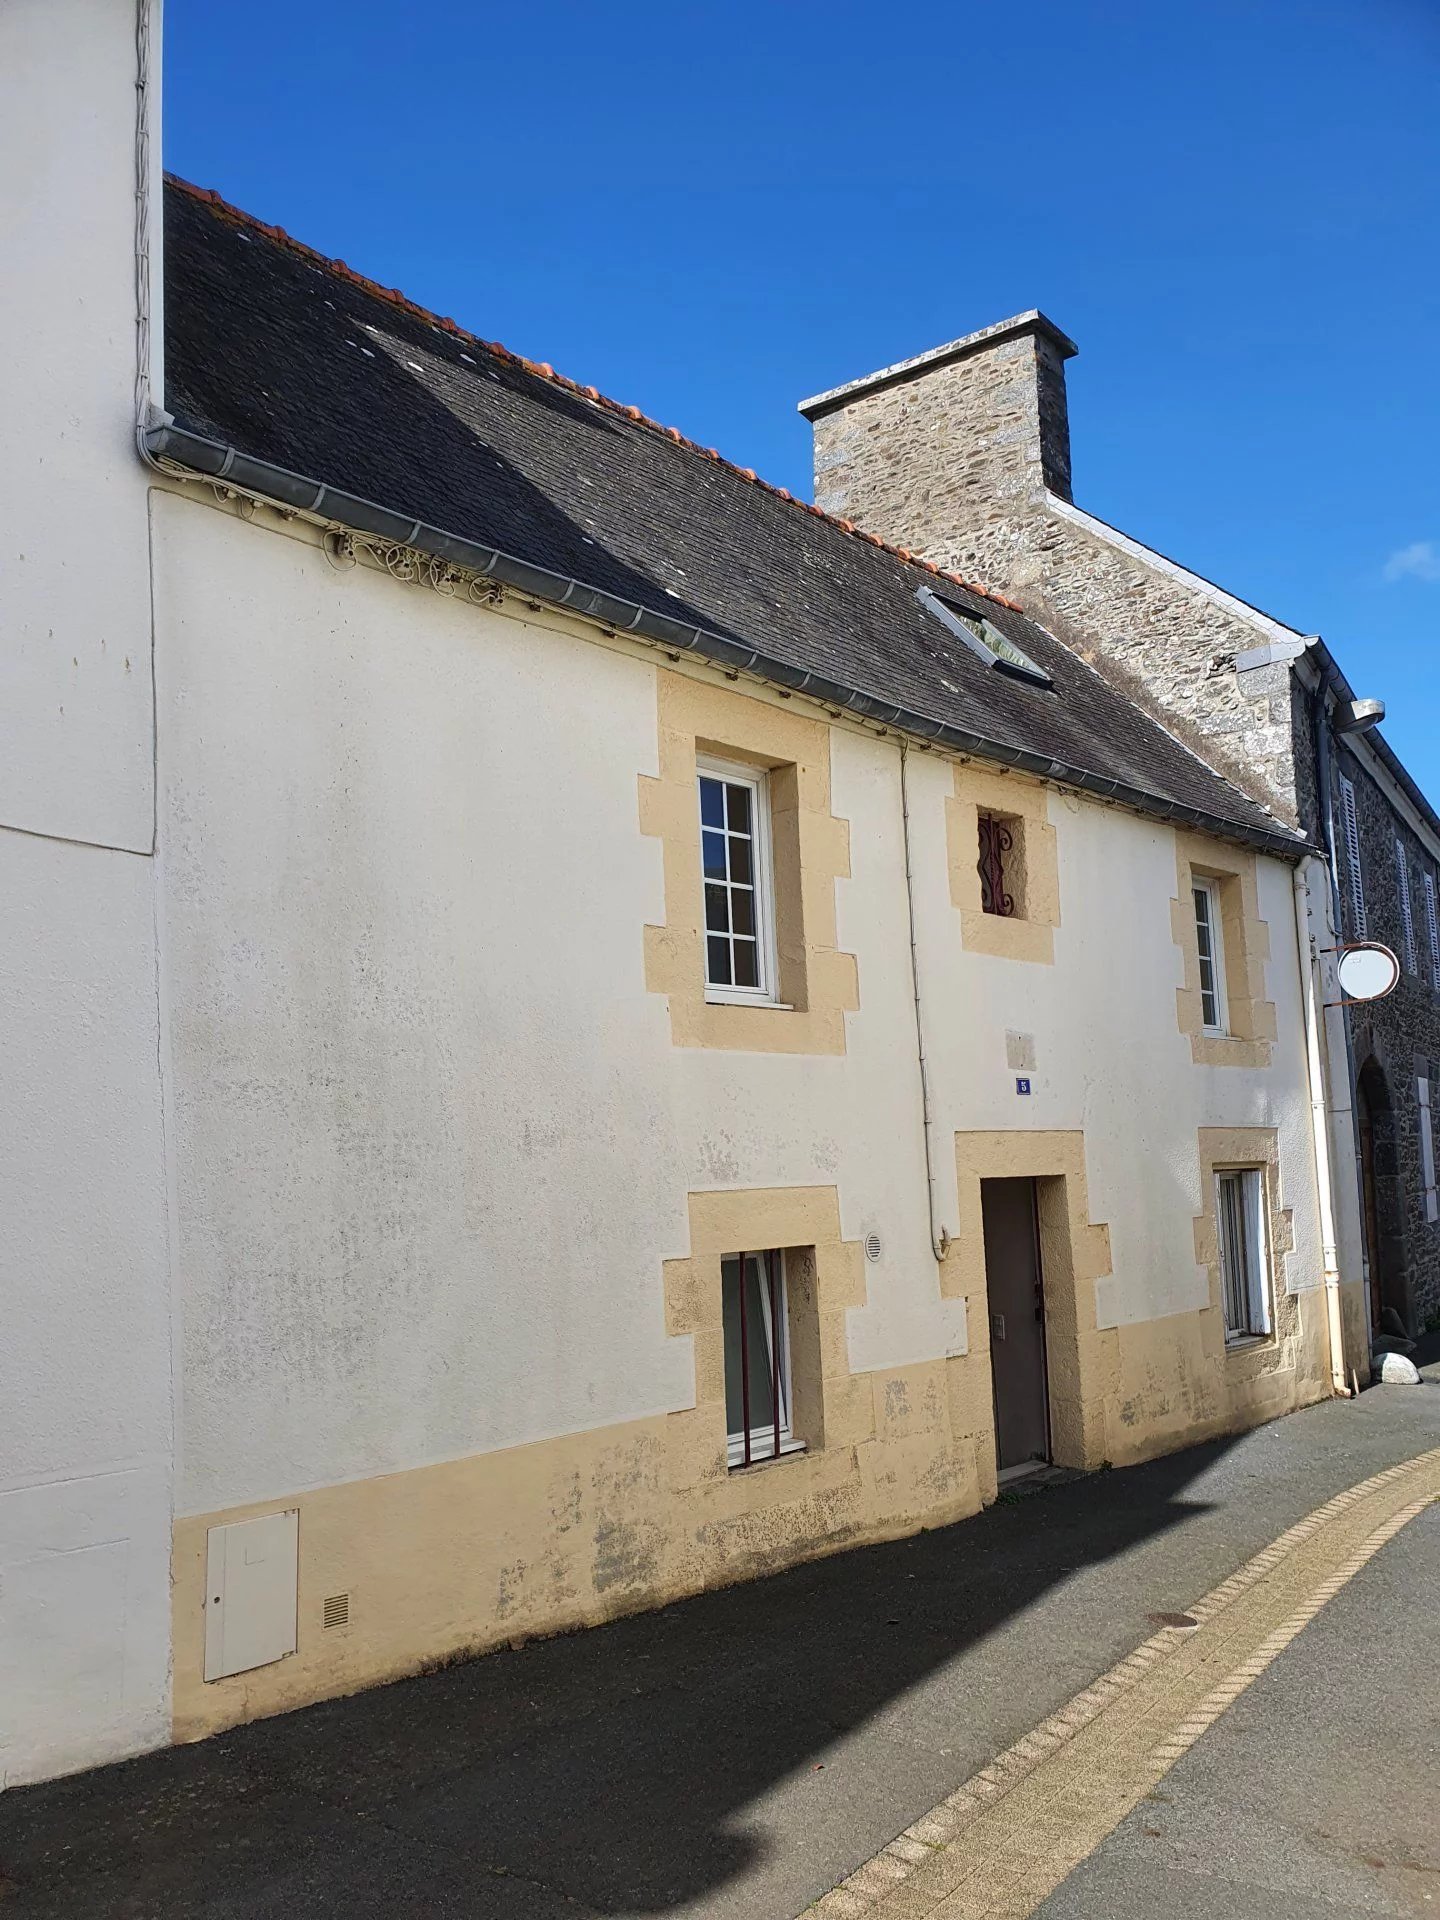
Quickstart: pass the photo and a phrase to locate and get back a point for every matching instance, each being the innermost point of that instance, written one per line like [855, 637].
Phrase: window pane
[717, 962]
[714, 853]
[742, 907]
[1209, 1004]
[717, 917]
[1237, 1254]
[1205, 943]
[1202, 921]
[712, 802]
[740, 868]
[757, 1358]
[737, 801]
[745, 964]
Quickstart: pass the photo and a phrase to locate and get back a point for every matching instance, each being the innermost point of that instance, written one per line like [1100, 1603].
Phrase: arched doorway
[1380, 1196]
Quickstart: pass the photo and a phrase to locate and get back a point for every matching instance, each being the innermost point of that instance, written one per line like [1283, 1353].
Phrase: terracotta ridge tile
[542, 370]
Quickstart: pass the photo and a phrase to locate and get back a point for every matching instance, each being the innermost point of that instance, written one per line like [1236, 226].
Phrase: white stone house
[578, 1028]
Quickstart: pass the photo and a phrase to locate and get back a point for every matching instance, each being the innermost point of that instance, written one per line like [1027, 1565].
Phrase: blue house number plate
[1022, 1086]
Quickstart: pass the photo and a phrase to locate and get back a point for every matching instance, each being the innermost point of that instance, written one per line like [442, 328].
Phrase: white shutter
[1407, 918]
[1352, 856]
[1427, 1151]
[1432, 922]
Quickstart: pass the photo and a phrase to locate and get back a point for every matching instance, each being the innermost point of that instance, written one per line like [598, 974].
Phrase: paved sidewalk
[1317, 1796]
[734, 1756]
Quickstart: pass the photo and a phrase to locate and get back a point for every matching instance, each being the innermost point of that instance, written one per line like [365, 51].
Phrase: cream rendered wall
[432, 1138]
[1110, 1057]
[423, 1103]
[74, 590]
[433, 1142]
[85, 1412]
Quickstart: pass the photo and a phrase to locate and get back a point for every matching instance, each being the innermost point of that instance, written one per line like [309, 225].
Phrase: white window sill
[723, 997]
[1217, 1033]
[1240, 1342]
[762, 1450]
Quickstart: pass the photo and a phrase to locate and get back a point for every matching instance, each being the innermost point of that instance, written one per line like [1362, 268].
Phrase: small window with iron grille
[740, 959]
[1001, 865]
[757, 1357]
[1210, 945]
[1244, 1273]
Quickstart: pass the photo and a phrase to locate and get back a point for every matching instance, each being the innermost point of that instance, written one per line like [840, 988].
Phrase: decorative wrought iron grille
[996, 841]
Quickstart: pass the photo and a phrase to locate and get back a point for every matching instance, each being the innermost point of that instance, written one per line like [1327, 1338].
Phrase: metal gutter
[227, 465]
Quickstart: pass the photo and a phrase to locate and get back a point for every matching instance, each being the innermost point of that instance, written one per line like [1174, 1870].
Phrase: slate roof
[300, 363]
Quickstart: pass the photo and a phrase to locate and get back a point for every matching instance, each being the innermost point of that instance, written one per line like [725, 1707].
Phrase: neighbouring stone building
[962, 455]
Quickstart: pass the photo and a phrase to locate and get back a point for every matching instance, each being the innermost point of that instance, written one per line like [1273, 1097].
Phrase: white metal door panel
[252, 1570]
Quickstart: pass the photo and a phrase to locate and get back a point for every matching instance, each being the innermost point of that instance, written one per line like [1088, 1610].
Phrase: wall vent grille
[873, 1248]
[337, 1610]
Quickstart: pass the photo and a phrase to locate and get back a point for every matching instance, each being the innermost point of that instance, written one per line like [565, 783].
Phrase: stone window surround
[1029, 933]
[825, 1278]
[1221, 1149]
[1074, 1254]
[818, 985]
[1245, 940]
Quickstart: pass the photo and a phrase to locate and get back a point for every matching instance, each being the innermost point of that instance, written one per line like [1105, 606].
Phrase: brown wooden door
[1016, 1301]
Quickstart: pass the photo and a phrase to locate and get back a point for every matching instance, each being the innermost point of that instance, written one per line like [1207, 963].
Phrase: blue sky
[711, 211]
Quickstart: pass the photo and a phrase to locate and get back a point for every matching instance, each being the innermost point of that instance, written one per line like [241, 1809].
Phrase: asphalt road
[738, 1754]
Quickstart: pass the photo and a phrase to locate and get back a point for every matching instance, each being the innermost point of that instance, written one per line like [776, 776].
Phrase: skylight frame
[974, 630]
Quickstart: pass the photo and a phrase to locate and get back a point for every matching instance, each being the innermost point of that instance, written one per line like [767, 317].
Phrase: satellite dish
[1367, 971]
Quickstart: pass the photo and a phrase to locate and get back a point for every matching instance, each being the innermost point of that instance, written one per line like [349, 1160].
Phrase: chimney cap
[1032, 321]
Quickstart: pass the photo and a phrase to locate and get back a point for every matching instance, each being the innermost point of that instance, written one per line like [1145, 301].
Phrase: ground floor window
[1244, 1272]
[757, 1357]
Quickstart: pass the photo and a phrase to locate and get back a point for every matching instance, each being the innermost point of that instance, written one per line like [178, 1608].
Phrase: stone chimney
[949, 452]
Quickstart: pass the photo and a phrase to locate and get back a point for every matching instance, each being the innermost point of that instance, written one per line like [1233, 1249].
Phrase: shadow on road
[606, 1772]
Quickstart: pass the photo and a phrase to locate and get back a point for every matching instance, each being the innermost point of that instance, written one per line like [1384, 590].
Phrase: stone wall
[1395, 1043]
[964, 456]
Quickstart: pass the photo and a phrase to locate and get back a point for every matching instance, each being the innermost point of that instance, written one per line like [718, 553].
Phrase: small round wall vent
[873, 1248]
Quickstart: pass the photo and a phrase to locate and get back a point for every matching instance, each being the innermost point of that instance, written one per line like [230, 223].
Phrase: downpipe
[1311, 993]
[939, 1238]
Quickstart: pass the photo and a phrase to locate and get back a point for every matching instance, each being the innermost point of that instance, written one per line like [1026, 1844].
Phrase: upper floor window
[1350, 822]
[740, 962]
[1432, 927]
[1244, 1276]
[1210, 942]
[1407, 916]
[998, 865]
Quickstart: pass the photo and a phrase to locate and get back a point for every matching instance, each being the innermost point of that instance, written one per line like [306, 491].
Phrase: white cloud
[1419, 561]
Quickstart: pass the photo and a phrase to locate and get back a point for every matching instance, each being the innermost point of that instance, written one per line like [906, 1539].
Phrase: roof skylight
[982, 637]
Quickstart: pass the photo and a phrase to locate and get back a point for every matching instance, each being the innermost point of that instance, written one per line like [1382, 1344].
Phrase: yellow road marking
[1001, 1844]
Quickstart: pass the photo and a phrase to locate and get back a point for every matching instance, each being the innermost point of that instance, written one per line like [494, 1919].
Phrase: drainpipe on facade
[939, 1238]
[1312, 997]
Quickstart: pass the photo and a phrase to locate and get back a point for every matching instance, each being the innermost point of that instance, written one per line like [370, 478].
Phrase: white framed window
[1244, 1268]
[1350, 823]
[757, 1357]
[737, 873]
[1407, 917]
[1210, 944]
[1430, 1196]
[1432, 927]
